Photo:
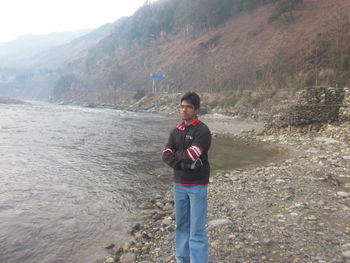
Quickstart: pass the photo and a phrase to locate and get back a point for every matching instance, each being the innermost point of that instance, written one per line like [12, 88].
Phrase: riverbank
[294, 211]
[167, 104]
[6, 100]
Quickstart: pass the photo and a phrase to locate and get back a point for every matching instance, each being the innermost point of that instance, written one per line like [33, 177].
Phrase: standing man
[187, 153]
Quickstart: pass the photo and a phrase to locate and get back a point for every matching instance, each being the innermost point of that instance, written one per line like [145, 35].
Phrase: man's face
[187, 111]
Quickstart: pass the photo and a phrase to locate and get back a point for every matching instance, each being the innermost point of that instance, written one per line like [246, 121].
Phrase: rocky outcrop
[344, 111]
[312, 105]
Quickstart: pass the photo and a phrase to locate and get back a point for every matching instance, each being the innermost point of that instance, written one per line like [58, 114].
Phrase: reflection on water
[226, 154]
[71, 177]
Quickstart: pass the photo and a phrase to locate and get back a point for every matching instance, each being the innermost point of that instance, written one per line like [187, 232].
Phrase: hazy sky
[22, 17]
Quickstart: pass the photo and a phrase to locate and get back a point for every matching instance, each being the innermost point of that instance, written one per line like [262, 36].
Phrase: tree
[283, 6]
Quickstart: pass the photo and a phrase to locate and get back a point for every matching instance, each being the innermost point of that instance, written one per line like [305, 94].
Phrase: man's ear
[196, 111]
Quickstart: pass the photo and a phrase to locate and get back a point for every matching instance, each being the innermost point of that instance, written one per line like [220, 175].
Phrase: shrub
[139, 94]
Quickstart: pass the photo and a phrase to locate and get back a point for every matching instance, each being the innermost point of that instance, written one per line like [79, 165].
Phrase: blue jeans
[191, 215]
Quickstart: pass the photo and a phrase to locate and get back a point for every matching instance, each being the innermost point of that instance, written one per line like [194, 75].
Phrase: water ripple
[71, 178]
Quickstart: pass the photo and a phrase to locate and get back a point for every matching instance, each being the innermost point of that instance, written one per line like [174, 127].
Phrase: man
[187, 153]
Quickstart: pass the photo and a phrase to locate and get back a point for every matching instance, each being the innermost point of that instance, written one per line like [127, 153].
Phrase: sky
[23, 17]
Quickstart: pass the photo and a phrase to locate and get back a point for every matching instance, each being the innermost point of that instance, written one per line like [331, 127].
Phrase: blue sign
[157, 76]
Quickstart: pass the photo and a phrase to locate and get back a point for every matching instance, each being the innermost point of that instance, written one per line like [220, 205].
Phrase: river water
[72, 177]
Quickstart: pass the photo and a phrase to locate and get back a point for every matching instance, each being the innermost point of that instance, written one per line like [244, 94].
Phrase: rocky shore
[294, 211]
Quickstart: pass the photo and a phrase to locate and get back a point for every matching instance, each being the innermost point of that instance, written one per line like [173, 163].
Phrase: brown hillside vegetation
[265, 62]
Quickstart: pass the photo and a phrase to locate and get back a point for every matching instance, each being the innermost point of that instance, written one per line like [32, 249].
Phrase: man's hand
[195, 166]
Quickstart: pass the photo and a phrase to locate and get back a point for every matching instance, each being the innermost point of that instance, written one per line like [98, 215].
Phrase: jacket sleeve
[201, 142]
[168, 155]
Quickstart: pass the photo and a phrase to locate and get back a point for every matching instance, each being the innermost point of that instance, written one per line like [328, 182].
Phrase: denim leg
[182, 231]
[198, 235]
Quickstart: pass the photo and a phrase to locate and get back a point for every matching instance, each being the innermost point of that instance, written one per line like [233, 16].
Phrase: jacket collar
[182, 126]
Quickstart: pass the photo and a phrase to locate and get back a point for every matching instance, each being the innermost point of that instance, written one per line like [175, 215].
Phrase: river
[72, 177]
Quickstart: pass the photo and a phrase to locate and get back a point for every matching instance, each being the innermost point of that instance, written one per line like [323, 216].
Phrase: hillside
[255, 63]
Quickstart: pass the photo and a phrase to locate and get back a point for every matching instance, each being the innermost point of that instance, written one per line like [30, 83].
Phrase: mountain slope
[246, 56]
[24, 47]
[57, 56]
[32, 76]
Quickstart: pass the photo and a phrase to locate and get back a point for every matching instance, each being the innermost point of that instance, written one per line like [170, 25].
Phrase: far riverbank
[6, 100]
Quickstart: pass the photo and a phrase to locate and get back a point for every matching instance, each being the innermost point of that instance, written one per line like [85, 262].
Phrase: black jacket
[186, 144]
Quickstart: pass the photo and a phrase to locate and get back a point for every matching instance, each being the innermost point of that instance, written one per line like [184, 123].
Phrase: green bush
[283, 6]
[139, 94]
[310, 79]
[273, 17]
[230, 101]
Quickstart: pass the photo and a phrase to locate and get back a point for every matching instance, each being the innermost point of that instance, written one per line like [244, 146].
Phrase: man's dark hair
[192, 98]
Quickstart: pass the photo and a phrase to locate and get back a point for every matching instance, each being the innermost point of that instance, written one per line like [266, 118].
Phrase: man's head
[192, 98]
[190, 103]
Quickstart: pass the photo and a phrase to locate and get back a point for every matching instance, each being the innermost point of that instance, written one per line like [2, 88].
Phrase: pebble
[167, 221]
[168, 206]
[311, 218]
[146, 205]
[343, 194]
[346, 254]
[109, 246]
[215, 244]
[109, 259]
[128, 258]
